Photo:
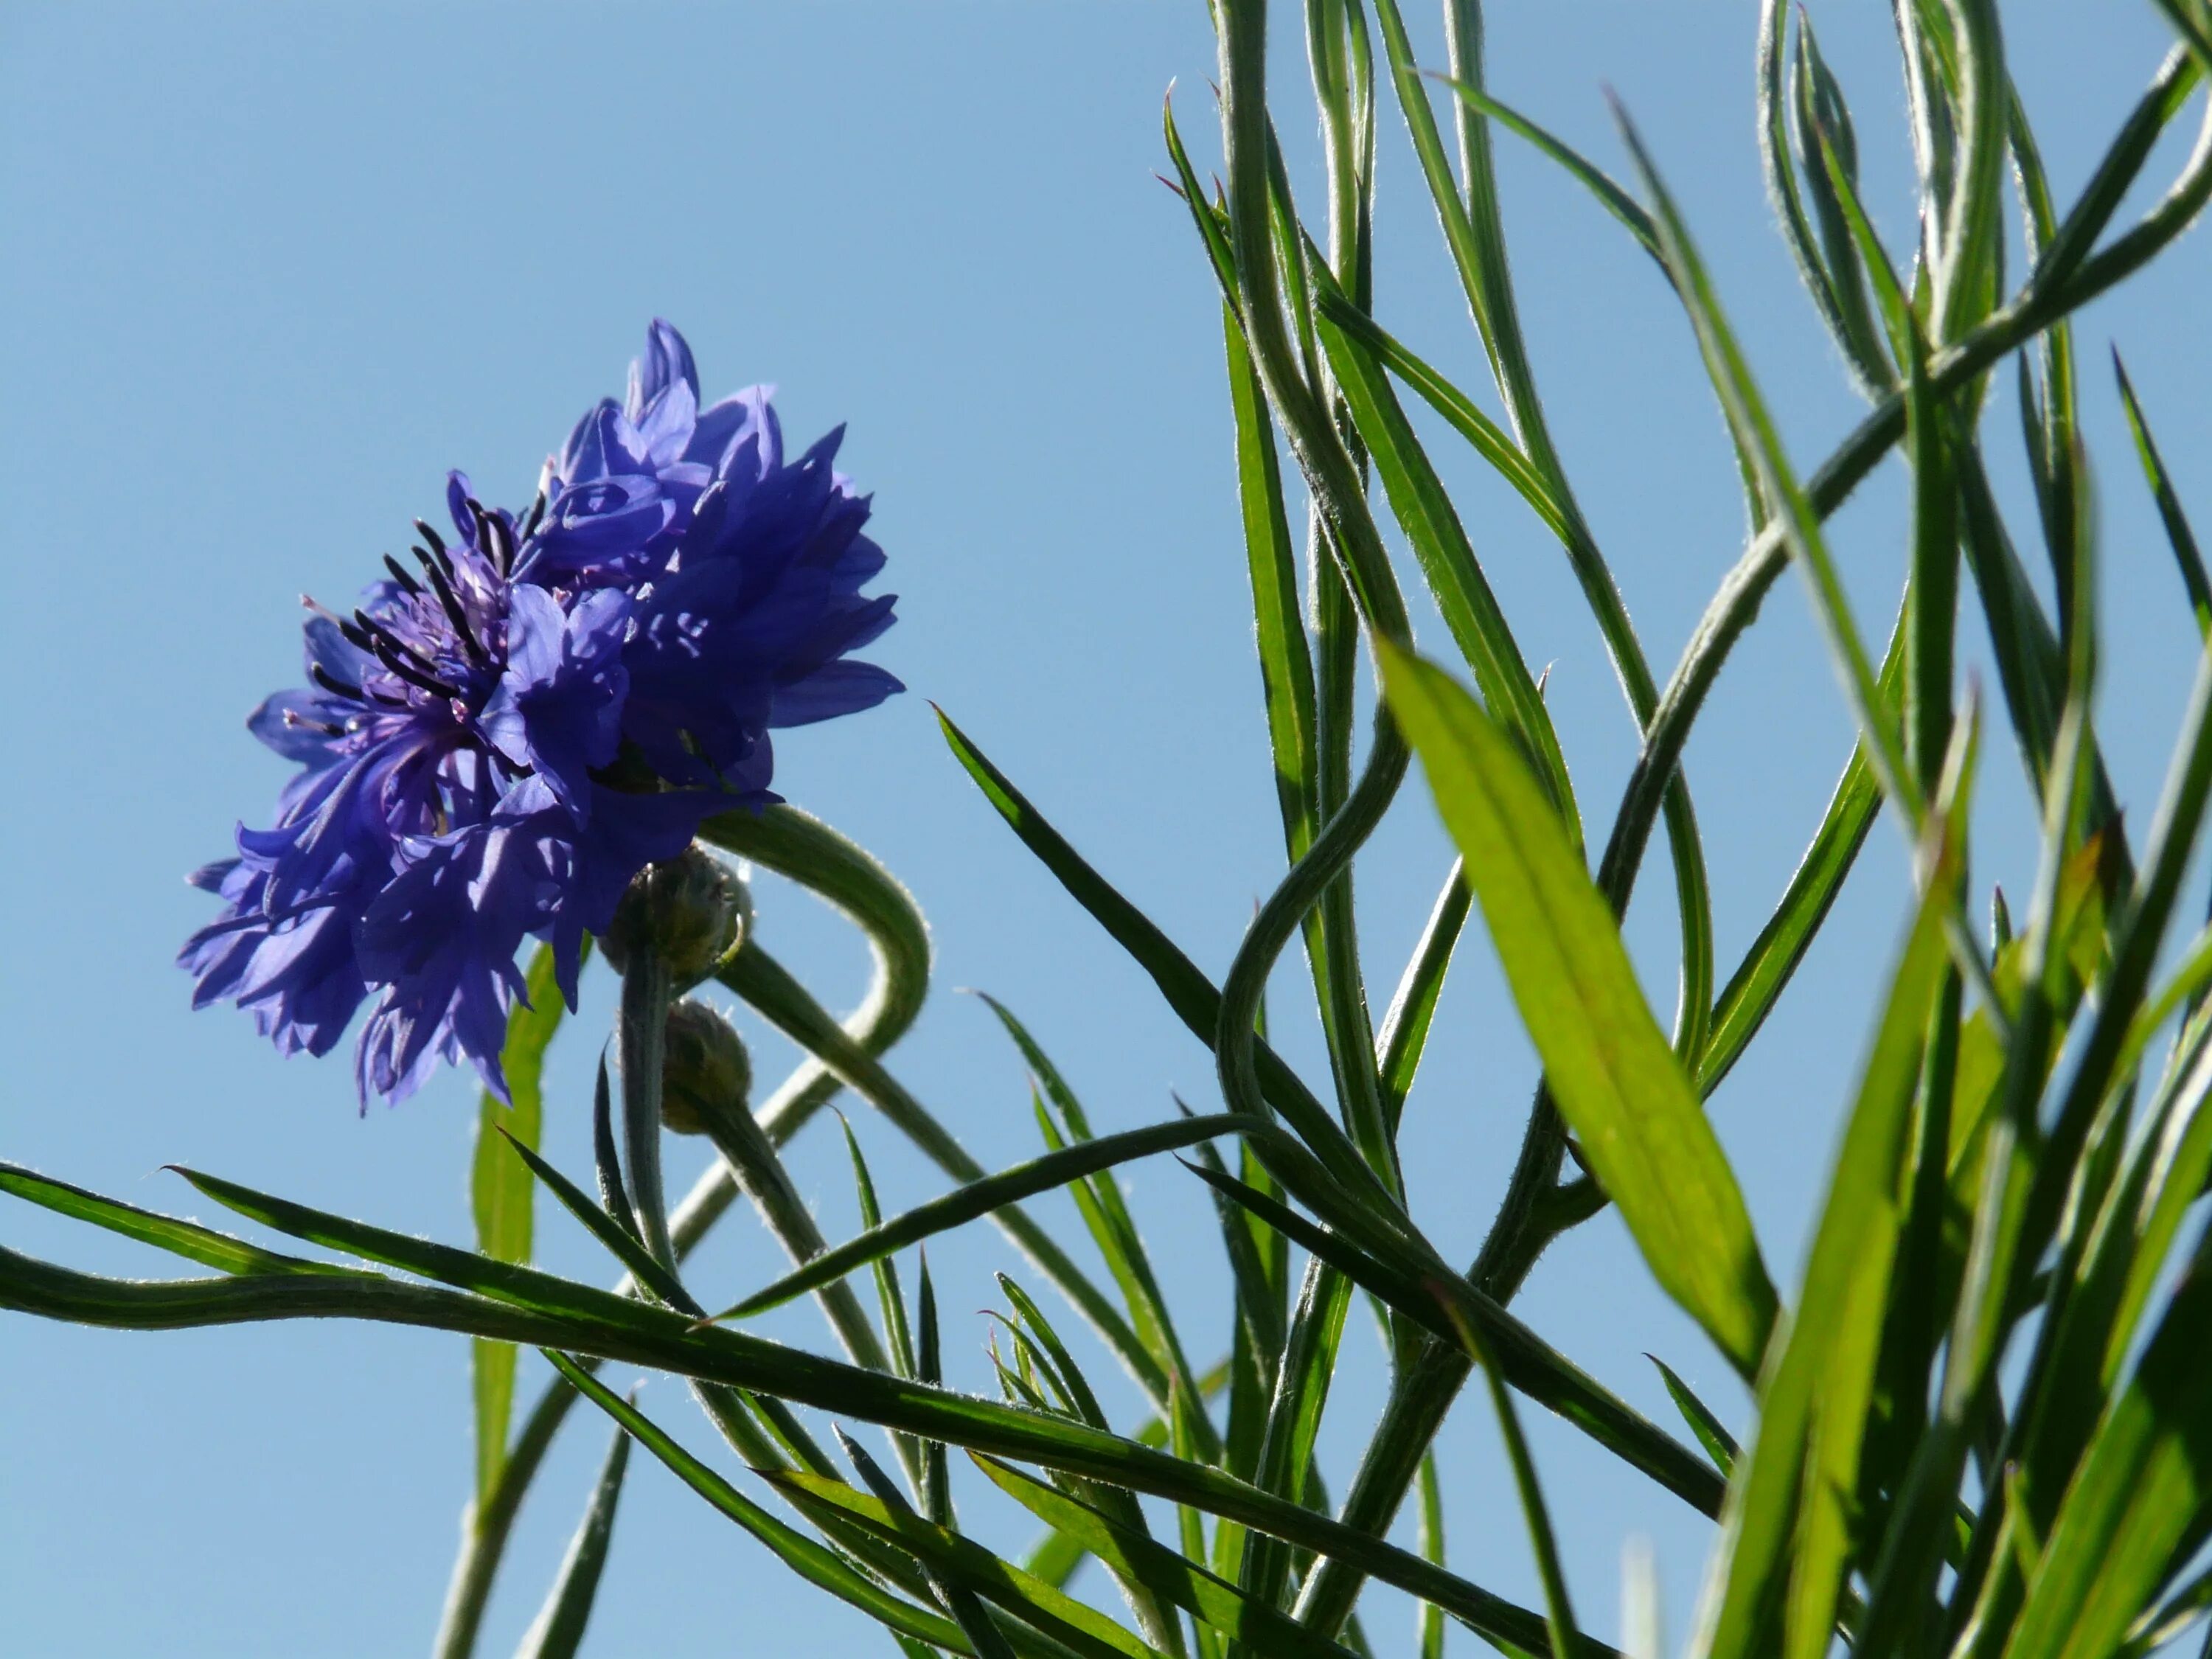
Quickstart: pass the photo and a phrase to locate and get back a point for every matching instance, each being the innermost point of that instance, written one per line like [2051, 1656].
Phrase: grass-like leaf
[979, 1198]
[1405, 1030]
[2142, 1487]
[1786, 1525]
[769, 986]
[890, 1299]
[623, 1247]
[187, 1239]
[1609, 195]
[499, 1193]
[1455, 581]
[1194, 998]
[1447, 1306]
[1712, 1434]
[818, 1564]
[558, 1631]
[1615, 1078]
[2178, 535]
[1172, 1577]
[1111, 1226]
[963, 1566]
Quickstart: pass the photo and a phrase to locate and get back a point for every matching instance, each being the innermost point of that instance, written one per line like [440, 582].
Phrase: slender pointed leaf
[1712, 1434]
[500, 1192]
[1785, 1526]
[623, 1246]
[2143, 1486]
[558, 1631]
[816, 1563]
[966, 1566]
[1170, 1577]
[1610, 1068]
[979, 1198]
[185, 1238]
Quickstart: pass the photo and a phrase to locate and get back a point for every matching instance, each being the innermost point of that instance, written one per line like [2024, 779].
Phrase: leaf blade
[1611, 1071]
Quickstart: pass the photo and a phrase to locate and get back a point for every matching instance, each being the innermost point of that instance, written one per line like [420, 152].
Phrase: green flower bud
[694, 910]
[706, 1072]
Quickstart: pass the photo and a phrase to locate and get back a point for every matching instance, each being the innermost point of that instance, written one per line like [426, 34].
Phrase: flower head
[498, 738]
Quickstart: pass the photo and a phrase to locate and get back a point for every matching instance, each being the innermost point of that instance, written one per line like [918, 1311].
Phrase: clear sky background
[267, 271]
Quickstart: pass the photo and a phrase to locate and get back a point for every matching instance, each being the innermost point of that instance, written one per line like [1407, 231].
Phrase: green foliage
[1978, 1426]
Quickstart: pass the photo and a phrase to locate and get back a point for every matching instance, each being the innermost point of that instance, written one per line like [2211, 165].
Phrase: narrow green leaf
[819, 1565]
[1610, 196]
[769, 987]
[1558, 1610]
[1111, 1226]
[1405, 1030]
[965, 1565]
[558, 1631]
[1081, 1399]
[937, 1481]
[1285, 660]
[2178, 535]
[500, 1192]
[523, 1287]
[187, 1239]
[1768, 964]
[1484, 435]
[2142, 1487]
[1455, 578]
[1785, 1529]
[1820, 121]
[621, 1245]
[1782, 183]
[1213, 228]
[979, 1198]
[1429, 1625]
[1170, 1577]
[1748, 420]
[614, 1193]
[952, 1589]
[621, 1329]
[1194, 998]
[1447, 1305]
[890, 1299]
[1712, 1434]
[1303, 1376]
[1616, 1080]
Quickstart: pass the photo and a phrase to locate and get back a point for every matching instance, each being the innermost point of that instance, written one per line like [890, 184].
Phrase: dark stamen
[381, 638]
[437, 544]
[399, 574]
[331, 684]
[491, 535]
[400, 665]
[293, 717]
[454, 614]
[535, 517]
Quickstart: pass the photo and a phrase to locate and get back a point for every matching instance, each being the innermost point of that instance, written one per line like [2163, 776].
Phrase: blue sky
[271, 270]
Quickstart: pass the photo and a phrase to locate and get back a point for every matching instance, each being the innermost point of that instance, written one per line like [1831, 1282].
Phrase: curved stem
[795, 844]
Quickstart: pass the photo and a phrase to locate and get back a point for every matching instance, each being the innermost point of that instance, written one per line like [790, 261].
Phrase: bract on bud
[706, 1071]
[693, 909]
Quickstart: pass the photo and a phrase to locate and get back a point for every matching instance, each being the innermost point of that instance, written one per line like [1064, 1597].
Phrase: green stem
[641, 1042]
[794, 844]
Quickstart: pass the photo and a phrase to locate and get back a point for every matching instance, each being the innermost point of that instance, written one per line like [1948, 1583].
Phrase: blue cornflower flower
[491, 750]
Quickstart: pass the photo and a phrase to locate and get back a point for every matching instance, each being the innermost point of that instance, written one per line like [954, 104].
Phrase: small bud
[707, 1071]
[693, 909]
